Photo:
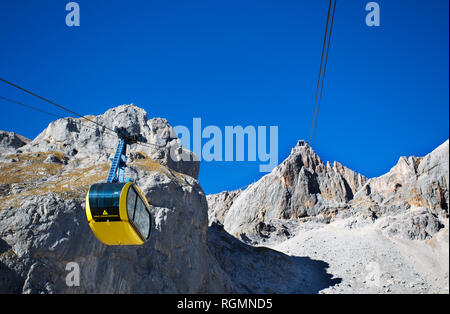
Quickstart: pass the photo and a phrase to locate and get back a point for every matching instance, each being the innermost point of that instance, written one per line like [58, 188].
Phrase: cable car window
[104, 201]
[131, 203]
[142, 218]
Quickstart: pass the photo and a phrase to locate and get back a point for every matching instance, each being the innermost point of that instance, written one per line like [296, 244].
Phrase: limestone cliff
[43, 223]
[381, 235]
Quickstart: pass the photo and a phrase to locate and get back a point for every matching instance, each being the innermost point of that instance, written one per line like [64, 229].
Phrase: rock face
[219, 204]
[10, 142]
[43, 226]
[44, 232]
[379, 235]
[413, 181]
[322, 225]
[302, 186]
[90, 142]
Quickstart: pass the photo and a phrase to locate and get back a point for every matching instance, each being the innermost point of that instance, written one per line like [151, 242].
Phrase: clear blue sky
[243, 62]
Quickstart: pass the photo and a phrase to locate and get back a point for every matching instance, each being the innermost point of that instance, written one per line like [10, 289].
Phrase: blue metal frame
[117, 170]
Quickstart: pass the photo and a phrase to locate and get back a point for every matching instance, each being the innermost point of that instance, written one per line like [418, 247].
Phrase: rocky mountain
[412, 182]
[43, 222]
[378, 235]
[89, 142]
[10, 141]
[43, 227]
[306, 227]
[300, 188]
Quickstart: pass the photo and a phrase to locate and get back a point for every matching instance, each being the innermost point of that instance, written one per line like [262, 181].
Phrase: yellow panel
[115, 233]
[123, 202]
[88, 209]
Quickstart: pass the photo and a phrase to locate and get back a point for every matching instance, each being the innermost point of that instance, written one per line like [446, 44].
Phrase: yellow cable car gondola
[118, 212]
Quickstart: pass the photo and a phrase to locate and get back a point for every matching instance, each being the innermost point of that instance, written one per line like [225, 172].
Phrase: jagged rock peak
[301, 186]
[10, 142]
[95, 142]
[303, 157]
[304, 153]
[302, 189]
[413, 181]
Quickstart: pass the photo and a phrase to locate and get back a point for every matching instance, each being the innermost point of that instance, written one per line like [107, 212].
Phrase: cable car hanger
[117, 211]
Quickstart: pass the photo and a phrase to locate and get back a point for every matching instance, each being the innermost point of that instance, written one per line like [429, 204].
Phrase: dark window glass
[131, 202]
[104, 201]
[142, 218]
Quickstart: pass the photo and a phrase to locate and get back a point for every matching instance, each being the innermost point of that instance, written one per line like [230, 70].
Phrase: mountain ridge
[394, 227]
[306, 227]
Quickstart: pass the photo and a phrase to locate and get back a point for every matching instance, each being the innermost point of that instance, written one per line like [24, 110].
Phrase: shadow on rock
[10, 282]
[263, 270]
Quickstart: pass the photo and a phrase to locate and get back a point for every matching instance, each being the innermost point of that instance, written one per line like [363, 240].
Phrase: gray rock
[90, 143]
[53, 158]
[43, 224]
[46, 232]
[10, 142]
[418, 224]
[412, 182]
[219, 204]
[302, 186]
